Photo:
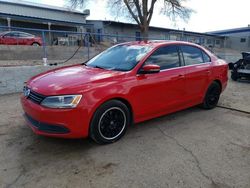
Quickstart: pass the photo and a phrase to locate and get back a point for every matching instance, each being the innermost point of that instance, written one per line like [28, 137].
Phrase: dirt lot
[191, 148]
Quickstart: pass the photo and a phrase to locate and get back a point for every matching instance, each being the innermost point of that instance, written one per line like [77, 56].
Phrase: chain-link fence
[27, 46]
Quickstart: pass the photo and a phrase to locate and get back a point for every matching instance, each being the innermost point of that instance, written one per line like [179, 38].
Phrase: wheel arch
[127, 103]
[218, 82]
[118, 98]
[34, 42]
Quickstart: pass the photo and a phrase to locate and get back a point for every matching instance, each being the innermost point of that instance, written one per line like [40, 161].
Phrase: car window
[12, 34]
[166, 57]
[192, 55]
[24, 35]
[206, 58]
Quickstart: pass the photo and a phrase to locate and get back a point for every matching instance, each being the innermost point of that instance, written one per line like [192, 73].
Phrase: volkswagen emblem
[26, 91]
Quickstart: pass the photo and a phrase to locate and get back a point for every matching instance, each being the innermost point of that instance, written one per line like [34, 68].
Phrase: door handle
[179, 77]
[208, 72]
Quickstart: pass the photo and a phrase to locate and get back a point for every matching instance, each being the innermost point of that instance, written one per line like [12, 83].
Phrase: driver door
[162, 92]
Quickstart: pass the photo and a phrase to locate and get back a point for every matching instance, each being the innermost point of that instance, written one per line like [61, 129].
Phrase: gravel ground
[191, 148]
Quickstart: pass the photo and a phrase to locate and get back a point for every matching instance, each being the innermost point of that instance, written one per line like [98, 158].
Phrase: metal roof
[108, 22]
[35, 10]
[231, 31]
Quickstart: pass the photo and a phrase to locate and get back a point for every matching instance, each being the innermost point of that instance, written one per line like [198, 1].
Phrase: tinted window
[206, 58]
[24, 35]
[192, 55]
[121, 57]
[12, 34]
[166, 57]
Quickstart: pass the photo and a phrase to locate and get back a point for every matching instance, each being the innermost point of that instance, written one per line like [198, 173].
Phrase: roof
[231, 31]
[154, 27]
[158, 42]
[40, 11]
[42, 6]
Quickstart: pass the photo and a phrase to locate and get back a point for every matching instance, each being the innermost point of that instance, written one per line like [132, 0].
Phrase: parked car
[241, 68]
[128, 83]
[19, 38]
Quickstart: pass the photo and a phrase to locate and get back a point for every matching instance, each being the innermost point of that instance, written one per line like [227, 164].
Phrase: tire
[212, 96]
[35, 44]
[110, 122]
[234, 76]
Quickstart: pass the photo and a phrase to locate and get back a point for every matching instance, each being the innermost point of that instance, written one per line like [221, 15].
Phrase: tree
[141, 11]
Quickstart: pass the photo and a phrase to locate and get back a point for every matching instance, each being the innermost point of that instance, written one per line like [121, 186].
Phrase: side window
[206, 58]
[10, 35]
[192, 55]
[166, 57]
[24, 35]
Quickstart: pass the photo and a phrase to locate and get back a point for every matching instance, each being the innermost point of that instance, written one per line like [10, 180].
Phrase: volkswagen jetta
[128, 83]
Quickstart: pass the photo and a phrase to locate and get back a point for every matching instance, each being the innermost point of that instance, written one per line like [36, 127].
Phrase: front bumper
[243, 73]
[65, 123]
[45, 127]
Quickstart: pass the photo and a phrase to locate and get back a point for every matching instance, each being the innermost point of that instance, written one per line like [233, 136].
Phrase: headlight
[64, 101]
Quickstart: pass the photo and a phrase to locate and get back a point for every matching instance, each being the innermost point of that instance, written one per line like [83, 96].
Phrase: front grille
[36, 97]
[45, 127]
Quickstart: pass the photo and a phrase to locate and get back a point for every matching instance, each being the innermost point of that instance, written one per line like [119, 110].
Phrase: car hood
[71, 80]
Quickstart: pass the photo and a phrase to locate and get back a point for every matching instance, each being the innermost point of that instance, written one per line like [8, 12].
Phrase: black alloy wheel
[212, 96]
[110, 122]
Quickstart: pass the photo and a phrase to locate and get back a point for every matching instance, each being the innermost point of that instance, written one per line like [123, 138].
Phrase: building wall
[116, 29]
[238, 41]
[38, 12]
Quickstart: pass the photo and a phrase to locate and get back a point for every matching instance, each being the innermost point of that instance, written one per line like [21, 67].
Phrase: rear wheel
[35, 44]
[212, 96]
[110, 122]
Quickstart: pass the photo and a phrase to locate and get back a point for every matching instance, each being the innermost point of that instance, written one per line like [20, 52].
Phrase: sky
[209, 15]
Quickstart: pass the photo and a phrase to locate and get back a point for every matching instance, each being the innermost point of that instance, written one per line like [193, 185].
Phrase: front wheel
[110, 122]
[212, 96]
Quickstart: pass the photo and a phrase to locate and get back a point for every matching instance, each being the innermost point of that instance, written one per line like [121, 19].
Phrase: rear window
[206, 58]
[192, 55]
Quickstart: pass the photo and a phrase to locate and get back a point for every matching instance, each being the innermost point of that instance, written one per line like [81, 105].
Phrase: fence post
[44, 49]
[88, 44]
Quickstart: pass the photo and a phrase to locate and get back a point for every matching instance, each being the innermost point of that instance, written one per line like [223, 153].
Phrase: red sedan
[128, 83]
[19, 38]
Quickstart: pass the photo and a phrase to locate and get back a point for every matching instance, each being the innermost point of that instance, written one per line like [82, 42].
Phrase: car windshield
[3, 33]
[121, 57]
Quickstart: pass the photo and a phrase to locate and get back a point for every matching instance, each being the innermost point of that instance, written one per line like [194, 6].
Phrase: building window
[209, 41]
[243, 40]
[217, 42]
[138, 36]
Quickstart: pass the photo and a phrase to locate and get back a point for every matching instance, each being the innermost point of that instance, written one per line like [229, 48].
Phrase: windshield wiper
[96, 66]
[85, 63]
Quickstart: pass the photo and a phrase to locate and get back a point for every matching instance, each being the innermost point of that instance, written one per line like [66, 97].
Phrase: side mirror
[150, 69]
[230, 66]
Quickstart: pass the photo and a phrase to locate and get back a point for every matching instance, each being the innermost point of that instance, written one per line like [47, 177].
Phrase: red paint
[7, 39]
[149, 95]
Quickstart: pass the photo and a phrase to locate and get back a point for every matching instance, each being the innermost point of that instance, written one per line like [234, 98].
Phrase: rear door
[25, 38]
[162, 92]
[197, 73]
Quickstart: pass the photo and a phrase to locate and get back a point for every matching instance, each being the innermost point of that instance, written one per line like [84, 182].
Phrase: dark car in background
[241, 68]
[19, 38]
